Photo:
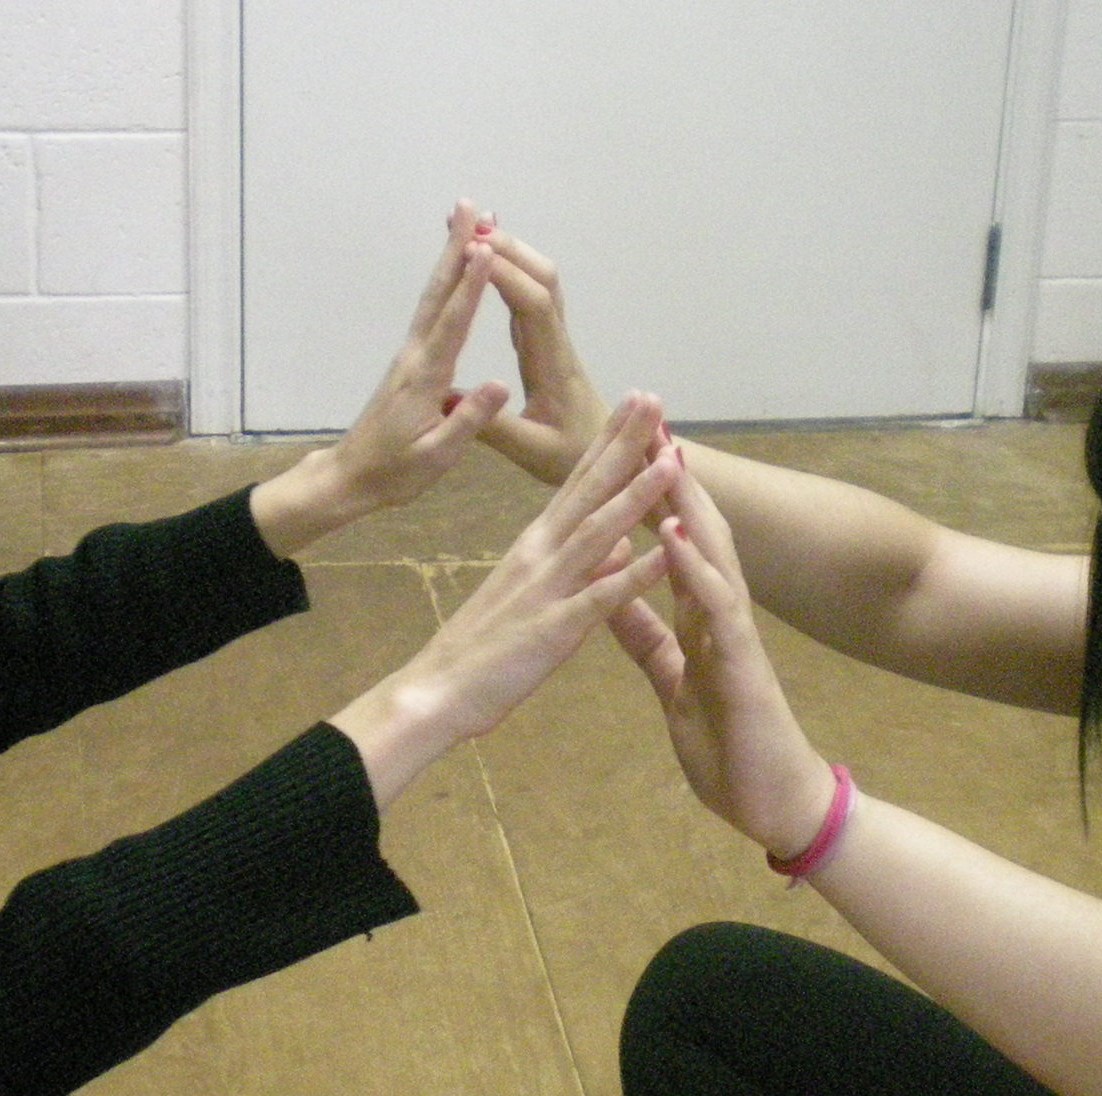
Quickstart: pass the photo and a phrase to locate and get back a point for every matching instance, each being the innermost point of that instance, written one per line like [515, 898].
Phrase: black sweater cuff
[101, 955]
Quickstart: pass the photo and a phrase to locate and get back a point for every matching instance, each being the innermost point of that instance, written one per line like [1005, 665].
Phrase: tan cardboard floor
[554, 857]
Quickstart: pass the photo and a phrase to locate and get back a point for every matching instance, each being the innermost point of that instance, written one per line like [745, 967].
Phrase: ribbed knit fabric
[101, 955]
[131, 603]
[98, 956]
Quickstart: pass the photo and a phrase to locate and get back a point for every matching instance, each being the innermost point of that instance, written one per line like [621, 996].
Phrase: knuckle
[543, 301]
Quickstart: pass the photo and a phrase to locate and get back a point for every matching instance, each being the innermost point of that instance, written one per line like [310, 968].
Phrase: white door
[762, 209]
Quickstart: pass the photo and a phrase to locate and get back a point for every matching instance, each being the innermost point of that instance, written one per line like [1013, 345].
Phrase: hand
[563, 411]
[735, 736]
[566, 573]
[409, 434]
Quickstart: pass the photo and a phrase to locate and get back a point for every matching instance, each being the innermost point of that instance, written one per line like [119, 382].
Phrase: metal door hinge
[991, 267]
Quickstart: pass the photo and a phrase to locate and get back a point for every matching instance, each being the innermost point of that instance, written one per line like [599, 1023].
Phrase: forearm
[1016, 956]
[306, 502]
[130, 603]
[399, 727]
[830, 558]
[99, 956]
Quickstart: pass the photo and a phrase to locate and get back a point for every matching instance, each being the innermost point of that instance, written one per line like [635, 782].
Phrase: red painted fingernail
[666, 431]
[483, 229]
[680, 457]
[679, 529]
[451, 402]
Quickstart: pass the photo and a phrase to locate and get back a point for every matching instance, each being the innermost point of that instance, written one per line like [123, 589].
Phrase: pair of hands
[573, 568]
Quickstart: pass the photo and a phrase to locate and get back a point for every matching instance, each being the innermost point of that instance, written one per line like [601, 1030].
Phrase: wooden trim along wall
[70, 415]
[46, 416]
[1063, 393]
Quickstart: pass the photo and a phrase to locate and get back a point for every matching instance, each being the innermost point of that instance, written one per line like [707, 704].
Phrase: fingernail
[666, 431]
[481, 229]
[679, 529]
[451, 402]
[680, 457]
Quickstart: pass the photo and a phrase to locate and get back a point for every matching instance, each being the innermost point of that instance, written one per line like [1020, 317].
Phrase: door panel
[761, 210]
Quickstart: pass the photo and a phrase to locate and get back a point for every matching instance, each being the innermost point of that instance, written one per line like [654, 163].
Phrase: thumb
[648, 640]
[466, 415]
[534, 446]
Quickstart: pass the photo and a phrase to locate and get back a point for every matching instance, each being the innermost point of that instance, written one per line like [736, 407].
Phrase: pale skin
[1015, 955]
[877, 580]
[402, 442]
[565, 574]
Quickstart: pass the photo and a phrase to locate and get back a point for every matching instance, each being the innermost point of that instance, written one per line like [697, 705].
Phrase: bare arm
[566, 573]
[1014, 955]
[853, 569]
[876, 580]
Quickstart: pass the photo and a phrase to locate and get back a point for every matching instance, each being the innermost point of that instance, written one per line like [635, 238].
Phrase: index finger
[448, 332]
[447, 271]
[526, 258]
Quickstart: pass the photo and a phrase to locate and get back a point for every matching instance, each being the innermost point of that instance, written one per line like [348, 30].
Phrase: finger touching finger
[524, 295]
[597, 530]
[603, 597]
[705, 525]
[448, 270]
[469, 414]
[448, 334]
[609, 465]
[722, 607]
[651, 644]
[528, 260]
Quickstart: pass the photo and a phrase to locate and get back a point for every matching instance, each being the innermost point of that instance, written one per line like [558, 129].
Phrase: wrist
[399, 727]
[824, 845]
[807, 806]
[309, 500]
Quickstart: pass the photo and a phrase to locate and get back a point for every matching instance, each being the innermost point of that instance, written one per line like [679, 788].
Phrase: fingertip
[668, 528]
[494, 395]
[500, 389]
[462, 218]
[675, 540]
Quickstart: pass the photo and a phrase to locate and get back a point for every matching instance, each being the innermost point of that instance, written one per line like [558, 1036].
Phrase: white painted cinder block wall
[1069, 317]
[93, 210]
[93, 215]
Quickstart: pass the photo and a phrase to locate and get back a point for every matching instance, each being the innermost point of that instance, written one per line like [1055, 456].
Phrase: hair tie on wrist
[822, 850]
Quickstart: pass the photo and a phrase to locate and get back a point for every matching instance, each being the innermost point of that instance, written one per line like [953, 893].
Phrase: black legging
[736, 1010]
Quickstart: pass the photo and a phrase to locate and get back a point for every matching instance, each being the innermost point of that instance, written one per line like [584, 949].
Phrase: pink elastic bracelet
[821, 851]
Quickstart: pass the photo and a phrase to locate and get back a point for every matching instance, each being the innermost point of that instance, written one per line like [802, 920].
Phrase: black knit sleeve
[131, 603]
[99, 956]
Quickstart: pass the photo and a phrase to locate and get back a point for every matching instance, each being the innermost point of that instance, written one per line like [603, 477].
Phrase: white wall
[93, 264]
[1069, 319]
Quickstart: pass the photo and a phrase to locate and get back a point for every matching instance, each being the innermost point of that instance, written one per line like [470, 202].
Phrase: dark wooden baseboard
[1063, 393]
[48, 416]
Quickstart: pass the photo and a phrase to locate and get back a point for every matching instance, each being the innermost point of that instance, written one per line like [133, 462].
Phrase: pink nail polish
[451, 402]
[483, 229]
[679, 529]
